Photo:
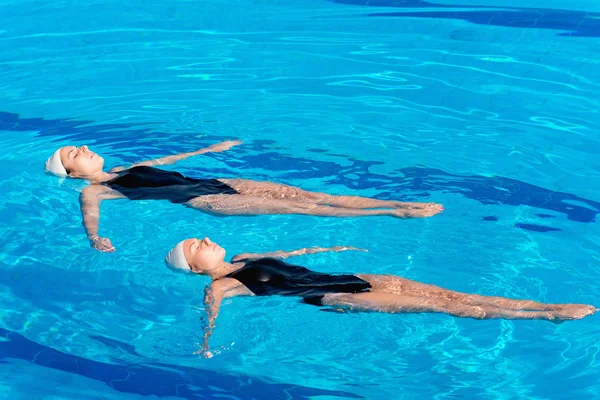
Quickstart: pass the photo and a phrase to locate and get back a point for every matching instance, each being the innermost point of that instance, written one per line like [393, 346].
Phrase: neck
[224, 269]
[100, 177]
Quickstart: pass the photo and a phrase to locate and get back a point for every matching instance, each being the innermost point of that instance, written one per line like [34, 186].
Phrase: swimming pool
[487, 107]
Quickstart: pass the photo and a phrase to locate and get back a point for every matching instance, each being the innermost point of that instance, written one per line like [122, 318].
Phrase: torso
[270, 276]
[149, 183]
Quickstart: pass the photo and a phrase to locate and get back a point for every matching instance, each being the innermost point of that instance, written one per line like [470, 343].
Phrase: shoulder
[225, 285]
[98, 190]
[134, 167]
[118, 169]
[245, 257]
[230, 287]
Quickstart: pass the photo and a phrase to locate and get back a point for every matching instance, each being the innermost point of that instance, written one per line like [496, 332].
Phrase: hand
[347, 248]
[204, 352]
[216, 148]
[102, 244]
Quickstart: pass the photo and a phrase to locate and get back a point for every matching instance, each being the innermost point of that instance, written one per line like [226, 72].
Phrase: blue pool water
[489, 107]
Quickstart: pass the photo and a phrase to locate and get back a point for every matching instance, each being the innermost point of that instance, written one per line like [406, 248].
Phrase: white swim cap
[55, 166]
[176, 259]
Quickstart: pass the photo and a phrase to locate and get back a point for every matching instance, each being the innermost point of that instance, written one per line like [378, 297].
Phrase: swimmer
[252, 274]
[143, 181]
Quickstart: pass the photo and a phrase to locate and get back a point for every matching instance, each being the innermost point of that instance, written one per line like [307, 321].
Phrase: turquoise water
[487, 107]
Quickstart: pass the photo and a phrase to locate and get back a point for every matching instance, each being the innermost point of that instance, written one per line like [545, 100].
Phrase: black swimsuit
[149, 183]
[270, 276]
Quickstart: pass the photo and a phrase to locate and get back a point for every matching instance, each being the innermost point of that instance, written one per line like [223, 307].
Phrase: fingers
[232, 142]
[106, 249]
[348, 248]
[204, 353]
[103, 245]
[107, 246]
[356, 249]
[103, 250]
[229, 144]
[226, 145]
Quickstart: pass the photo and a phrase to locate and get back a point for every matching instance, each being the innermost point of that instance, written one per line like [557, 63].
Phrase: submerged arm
[215, 148]
[213, 296]
[285, 254]
[89, 200]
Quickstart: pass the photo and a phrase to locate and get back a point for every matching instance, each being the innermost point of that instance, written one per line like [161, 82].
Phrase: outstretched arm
[213, 296]
[89, 200]
[285, 254]
[215, 148]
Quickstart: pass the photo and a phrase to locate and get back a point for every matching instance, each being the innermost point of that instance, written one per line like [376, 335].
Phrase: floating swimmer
[252, 274]
[143, 181]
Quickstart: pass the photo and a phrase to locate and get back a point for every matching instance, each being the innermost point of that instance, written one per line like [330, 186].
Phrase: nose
[84, 148]
[206, 241]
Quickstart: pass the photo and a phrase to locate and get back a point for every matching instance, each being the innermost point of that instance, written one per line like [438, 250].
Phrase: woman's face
[80, 161]
[203, 255]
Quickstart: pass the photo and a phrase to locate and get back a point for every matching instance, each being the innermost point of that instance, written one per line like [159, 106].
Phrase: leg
[412, 209]
[249, 205]
[511, 304]
[277, 191]
[401, 286]
[392, 303]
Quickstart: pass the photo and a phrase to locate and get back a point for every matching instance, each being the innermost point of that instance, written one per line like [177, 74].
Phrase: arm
[285, 254]
[90, 200]
[215, 148]
[213, 296]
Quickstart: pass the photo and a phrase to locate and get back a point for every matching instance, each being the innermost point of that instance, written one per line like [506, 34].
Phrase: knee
[197, 202]
[471, 312]
[478, 313]
[335, 299]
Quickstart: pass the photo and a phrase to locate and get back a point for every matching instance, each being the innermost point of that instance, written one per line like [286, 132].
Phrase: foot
[427, 210]
[414, 205]
[573, 312]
